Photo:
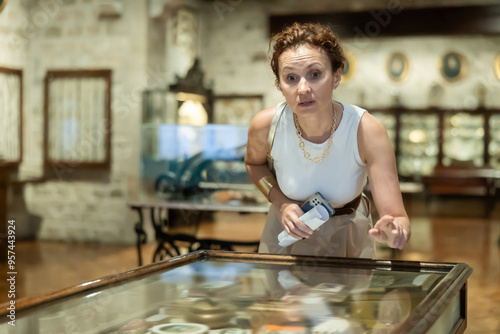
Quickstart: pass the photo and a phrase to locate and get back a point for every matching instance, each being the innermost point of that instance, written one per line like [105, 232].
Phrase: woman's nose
[304, 86]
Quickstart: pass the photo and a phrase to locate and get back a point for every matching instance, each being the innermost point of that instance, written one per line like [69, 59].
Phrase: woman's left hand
[389, 231]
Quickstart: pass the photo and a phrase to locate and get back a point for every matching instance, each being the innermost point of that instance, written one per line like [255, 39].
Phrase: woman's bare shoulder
[370, 125]
[262, 120]
[257, 136]
[373, 139]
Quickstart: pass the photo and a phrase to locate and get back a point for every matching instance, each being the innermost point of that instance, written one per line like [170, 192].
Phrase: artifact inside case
[243, 297]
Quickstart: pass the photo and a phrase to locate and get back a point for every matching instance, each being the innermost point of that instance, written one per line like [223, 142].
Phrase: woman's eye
[315, 74]
[291, 78]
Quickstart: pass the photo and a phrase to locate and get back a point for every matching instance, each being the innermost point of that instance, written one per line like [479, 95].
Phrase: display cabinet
[229, 292]
[450, 152]
[494, 144]
[424, 139]
[187, 173]
[415, 138]
[182, 161]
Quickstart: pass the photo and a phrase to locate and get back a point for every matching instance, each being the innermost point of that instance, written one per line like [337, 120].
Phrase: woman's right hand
[290, 213]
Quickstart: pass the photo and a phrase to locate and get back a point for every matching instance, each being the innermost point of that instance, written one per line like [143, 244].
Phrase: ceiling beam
[399, 21]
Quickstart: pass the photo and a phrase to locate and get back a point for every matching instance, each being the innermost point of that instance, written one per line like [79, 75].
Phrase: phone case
[317, 199]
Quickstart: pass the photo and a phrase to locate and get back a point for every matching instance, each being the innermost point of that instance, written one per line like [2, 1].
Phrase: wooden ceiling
[396, 20]
[289, 7]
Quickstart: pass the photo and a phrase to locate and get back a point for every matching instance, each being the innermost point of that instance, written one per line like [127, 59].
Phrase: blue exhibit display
[177, 158]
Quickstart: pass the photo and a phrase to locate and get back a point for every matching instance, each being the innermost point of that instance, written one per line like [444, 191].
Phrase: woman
[322, 145]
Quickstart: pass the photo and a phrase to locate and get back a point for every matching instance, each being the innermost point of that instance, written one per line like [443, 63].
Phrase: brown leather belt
[349, 207]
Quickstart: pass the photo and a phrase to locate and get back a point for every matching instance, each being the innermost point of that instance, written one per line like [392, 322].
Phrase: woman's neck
[317, 128]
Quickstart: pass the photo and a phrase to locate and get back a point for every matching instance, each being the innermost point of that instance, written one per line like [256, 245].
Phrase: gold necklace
[307, 155]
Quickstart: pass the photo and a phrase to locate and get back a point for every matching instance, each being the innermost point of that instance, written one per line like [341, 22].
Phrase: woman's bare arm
[375, 147]
[256, 166]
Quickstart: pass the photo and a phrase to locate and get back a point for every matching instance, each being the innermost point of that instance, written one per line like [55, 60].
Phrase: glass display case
[230, 292]
[187, 174]
[182, 161]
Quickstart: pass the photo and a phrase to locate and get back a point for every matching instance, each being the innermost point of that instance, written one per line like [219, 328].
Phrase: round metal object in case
[211, 312]
[180, 328]
[243, 301]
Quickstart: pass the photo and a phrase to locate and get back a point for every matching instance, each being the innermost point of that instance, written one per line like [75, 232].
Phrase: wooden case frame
[452, 286]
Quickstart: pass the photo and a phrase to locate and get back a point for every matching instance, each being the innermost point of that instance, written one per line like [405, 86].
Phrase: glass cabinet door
[418, 144]
[494, 145]
[463, 138]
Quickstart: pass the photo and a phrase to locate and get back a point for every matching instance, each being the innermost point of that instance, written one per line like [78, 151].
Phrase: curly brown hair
[306, 33]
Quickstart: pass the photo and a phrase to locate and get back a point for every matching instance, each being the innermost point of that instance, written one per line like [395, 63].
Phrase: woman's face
[306, 79]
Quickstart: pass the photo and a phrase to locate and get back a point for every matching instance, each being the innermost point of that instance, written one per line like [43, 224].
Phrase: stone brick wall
[12, 29]
[234, 50]
[71, 34]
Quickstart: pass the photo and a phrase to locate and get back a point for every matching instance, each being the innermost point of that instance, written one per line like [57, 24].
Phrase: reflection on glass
[419, 144]
[249, 298]
[193, 113]
[463, 138]
[417, 136]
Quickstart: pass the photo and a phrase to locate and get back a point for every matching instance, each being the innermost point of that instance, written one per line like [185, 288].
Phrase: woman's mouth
[305, 103]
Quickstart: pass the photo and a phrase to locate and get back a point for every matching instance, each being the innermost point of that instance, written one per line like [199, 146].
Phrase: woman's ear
[337, 76]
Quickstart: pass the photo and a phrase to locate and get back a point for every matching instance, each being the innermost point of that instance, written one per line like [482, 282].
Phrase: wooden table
[167, 242]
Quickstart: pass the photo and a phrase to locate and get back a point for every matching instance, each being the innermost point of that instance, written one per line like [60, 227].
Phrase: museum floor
[442, 231]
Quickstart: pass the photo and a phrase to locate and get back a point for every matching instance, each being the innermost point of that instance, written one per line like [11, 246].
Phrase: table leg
[161, 237]
[141, 235]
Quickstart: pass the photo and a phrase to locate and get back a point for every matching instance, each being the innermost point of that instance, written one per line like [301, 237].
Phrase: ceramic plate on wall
[397, 66]
[497, 66]
[453, 66]
[349, 66]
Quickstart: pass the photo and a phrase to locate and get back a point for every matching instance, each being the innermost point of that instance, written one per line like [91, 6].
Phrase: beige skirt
[341, 236]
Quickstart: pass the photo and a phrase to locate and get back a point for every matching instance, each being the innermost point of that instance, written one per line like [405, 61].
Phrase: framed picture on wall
[77, 118]
[497, 66]
[397, 66]
[453, 66]
[11, 126]
[237, 109]
[349, 66]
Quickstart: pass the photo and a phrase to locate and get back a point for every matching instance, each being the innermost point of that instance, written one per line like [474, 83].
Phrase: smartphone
[315, 200]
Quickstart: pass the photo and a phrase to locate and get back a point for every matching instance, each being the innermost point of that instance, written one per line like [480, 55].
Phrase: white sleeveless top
[340, 177]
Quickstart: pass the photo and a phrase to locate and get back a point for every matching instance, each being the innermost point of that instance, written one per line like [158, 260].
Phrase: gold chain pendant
[302, 145]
